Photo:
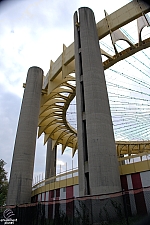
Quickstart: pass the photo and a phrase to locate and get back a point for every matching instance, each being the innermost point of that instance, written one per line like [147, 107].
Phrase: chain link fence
[126, 208]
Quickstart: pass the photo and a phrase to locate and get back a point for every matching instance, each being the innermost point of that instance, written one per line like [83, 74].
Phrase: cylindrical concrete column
[98, 166]
[20, 184]
[50, 170]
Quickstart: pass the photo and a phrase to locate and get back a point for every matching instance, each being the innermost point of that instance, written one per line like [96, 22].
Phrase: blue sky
[32, 33]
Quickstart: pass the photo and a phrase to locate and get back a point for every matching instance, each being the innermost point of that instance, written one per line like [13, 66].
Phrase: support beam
[98, 166]
[50, 170]
[20, 184]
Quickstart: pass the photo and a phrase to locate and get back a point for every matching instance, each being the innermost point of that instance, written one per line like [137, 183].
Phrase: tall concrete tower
[20, 184]
[98, 165]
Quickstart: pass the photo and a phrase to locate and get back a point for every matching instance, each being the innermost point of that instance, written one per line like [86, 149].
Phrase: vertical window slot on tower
[82, 97]
[85, 141]
[80, 60]
[87, 183]
[79, 41]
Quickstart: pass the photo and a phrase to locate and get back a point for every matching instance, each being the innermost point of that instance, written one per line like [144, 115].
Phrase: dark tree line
[3, 183]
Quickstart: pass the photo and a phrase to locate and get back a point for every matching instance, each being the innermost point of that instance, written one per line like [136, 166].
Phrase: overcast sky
[32, 33]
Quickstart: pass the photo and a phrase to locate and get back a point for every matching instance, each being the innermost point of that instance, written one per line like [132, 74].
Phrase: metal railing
[59, 177]
[136, 162]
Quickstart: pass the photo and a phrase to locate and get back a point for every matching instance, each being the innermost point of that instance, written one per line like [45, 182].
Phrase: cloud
[9, 114]
[60, 162]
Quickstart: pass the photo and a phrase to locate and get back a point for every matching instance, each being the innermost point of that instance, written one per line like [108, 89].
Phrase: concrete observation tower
[94, 125]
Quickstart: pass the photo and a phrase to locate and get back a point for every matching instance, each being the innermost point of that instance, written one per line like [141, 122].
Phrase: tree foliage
[3, 183]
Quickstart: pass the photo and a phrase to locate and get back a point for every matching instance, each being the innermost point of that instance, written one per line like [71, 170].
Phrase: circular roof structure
[127, 77]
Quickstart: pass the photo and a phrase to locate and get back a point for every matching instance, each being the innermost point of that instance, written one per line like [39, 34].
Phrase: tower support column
[98, 165]
[50, 170]
[20, 184]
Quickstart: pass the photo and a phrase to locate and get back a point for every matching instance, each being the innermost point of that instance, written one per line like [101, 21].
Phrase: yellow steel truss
[59, 83]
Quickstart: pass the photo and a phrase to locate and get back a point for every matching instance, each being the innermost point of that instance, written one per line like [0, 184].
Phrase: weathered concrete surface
[20, 184]
[50, 170]
[98, 166]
